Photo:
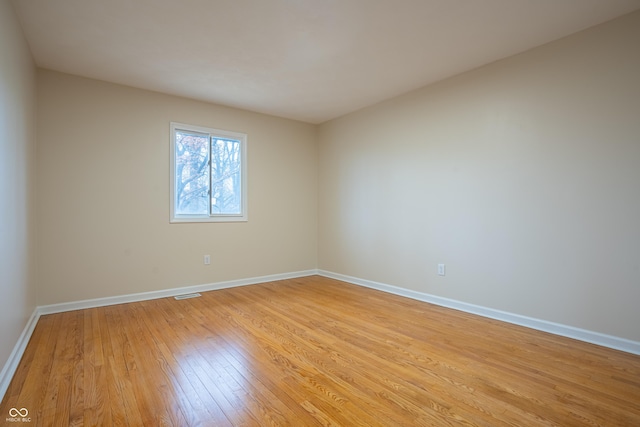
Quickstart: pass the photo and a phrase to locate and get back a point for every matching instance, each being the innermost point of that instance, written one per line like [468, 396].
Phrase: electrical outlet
[207, 259]
[441, 270]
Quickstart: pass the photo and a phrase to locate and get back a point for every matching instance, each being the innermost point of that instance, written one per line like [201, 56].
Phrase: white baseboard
[604, 340]
[144, 296]
[10, 367]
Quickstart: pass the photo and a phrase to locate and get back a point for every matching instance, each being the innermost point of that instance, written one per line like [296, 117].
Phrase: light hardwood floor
[312, 351]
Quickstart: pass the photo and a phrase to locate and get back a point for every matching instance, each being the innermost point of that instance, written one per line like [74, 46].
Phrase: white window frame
[212, 217]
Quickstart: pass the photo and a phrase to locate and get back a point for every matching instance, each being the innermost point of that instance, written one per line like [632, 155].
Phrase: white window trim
[242, 217]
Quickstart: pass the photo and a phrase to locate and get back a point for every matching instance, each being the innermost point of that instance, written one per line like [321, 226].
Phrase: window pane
[192, 173]
[226, 184]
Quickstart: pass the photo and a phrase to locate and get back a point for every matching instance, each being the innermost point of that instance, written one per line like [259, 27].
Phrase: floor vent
[187, 296]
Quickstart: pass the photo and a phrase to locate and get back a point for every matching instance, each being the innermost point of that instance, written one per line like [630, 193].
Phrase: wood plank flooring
[312, 352]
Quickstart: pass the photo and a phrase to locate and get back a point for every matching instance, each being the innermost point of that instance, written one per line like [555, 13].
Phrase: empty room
[320, 213]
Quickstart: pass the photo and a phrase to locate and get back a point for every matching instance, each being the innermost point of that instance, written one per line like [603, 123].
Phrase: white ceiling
[311, 60]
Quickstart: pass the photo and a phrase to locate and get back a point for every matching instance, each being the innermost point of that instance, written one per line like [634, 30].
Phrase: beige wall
[523, 177]
[17, 195]
[103, 185]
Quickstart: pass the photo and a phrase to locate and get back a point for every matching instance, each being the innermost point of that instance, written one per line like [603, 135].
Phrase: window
[208, 174]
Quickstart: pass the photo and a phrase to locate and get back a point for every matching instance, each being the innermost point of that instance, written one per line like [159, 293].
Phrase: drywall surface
[521, 176]
[17, 186]
[103, 180]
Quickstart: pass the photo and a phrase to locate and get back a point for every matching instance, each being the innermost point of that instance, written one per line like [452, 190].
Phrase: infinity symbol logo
[22, 412]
